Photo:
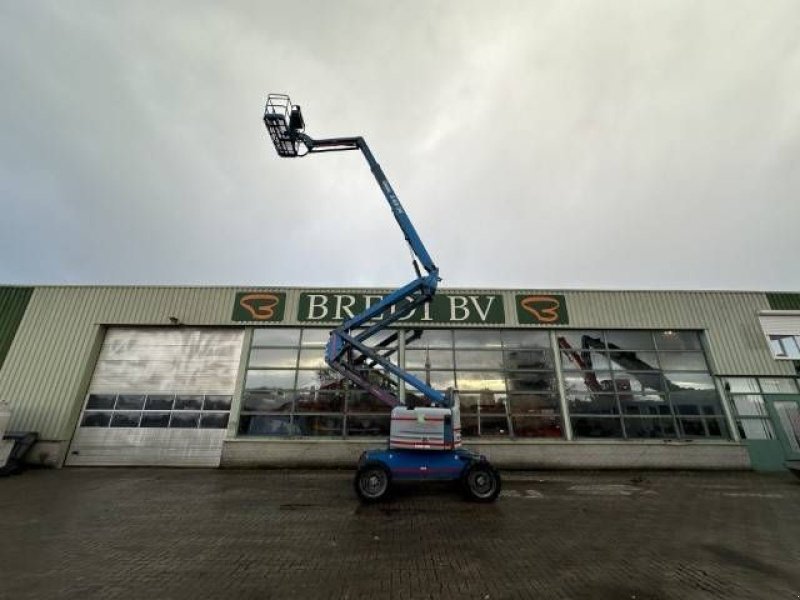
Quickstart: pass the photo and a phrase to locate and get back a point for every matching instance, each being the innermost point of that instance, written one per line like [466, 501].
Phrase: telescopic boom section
[351, 349]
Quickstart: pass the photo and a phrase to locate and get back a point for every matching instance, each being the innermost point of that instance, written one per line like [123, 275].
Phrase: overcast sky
[607, 144]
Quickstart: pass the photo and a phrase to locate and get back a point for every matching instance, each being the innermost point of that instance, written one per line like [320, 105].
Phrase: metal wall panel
[785, 324]
[97, 447]
[13, 302]
[177, 360]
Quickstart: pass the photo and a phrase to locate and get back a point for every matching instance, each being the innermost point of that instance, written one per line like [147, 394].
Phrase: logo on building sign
[467, 309]
[541, 309]
[259, 306]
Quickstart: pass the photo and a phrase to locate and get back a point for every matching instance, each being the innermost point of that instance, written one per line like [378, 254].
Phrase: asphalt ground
[181, 533]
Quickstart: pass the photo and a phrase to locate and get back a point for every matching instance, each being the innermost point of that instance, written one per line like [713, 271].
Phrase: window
[749, 407]
[158, 411]
[639, 384]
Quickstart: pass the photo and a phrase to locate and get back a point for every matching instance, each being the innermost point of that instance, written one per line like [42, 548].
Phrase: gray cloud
[535, 144]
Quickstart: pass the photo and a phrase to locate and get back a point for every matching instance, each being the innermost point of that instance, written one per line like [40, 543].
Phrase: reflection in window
[536, 427]
[96, 419]
[270, 380]
[130, 402]
[318, 425]
[368, 426]
[477, 338]
[159, 402]
[186, 420]
[276, 336]
[785, 346]
[479, 381]
[595, 427]
[434, 359]
[276, 358]
[650, 428]
[214, 421]
[101, 401]
[271, 425]
[188, 402]
[155, 419]
[125, 419]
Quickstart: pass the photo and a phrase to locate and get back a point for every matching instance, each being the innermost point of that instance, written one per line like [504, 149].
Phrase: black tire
[373, 482]
[481, 482]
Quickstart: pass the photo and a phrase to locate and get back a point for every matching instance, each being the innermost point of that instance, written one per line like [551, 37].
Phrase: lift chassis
[425, 431]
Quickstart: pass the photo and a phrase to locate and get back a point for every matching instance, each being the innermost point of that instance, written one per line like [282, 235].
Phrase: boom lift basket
[283, 121]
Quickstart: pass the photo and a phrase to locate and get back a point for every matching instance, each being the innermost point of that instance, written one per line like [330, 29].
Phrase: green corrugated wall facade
[783, 301]
[13, 302]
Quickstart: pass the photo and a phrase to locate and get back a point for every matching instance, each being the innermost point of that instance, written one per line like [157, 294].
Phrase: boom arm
[348, 350]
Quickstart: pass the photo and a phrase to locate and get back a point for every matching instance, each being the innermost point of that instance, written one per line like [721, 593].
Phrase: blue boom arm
[349, 350]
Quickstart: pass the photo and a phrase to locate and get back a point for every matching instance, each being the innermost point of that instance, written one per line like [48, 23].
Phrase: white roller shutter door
[159, 396]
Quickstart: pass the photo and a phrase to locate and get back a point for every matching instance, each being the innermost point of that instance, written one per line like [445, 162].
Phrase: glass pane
[129, 402]
[539, 427]
[184, 420]
[319, 379]
[693, 428]
[479, 381]
[534, 404]
[217, 403]
[159, 402]
[531, 381]
[755, 429]
[469, 426]
[588, 381]
[683, 361]
[439, 380]
[312, 358]
[629, 340]
[439, 359]
[644, 404]
[469, 403]
[264, 425]
[695, 402]
[188, 402]
[593, 427]
[585, 360]
[494, 426]
[155, 419]
[275, 401]
[492, 404]
[318, 425]
[677, 340]
[650, 428]
[778, 386]
[433, 338]
[276, 358]
[270, 380]
[634, 361]
[477, 338]
[214, 421]
[368, 426]
[275, 336]
[639, 382]
[101, 401]
[578, 340]
[529, 359]
[592, 404]
[689, 381]
[749, 405]
[125, 419]
[785, 346]
[745, 385]
[526, 339]
[319, 402]
[316, 337]
[479, 359]
[96, 419]
[362, 402]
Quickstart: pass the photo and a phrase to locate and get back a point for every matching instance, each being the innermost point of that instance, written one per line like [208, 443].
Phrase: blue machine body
[422, 465]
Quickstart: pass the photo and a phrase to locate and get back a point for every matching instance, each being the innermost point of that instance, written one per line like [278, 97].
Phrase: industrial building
[226, 376]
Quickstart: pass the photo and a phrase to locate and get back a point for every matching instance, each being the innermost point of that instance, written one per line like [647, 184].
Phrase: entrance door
[785, 413]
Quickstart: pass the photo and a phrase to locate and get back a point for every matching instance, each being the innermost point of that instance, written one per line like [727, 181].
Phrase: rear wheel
[373, 482]
[481, 482]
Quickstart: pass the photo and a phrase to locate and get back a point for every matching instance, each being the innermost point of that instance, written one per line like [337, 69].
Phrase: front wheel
[372, 482]
[481, 482]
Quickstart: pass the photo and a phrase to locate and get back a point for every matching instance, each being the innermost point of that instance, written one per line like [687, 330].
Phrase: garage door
[159, 396]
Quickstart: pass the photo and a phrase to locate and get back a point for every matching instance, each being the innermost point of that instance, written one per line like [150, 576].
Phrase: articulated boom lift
[425, 435]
